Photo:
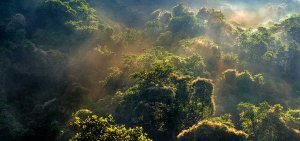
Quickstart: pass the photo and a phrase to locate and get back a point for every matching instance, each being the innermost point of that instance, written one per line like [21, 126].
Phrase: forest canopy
[161, 70]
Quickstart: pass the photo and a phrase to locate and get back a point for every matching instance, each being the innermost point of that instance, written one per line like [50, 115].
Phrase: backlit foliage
[86, 126]
[211, 131]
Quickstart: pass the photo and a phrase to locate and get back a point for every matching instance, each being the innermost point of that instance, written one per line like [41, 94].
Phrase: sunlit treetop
[211, 131]
[86, 126]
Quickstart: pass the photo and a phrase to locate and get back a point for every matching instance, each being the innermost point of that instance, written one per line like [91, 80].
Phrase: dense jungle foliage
[142, 70]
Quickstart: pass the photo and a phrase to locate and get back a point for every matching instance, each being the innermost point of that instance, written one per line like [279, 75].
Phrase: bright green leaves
[75, 13]
[292, 118]
[86, 126]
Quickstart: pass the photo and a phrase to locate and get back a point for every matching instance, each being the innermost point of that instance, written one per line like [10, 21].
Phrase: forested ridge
[142, 70]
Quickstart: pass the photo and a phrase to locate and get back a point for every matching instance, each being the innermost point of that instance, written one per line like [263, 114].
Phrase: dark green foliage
[257, 44]
[203, 93]
[64, 24]
[163, 102]
[294, 32]
[193, 65]
[230, 61]
[186, 26]
[36, 93]
[171, 27]
[132, 13]
[75, 13]
[212, 16]
[218, 29]
[158, 77]
[114, 81]
[181, 10]
[154, 28]
[236, 87]
[205, 48]
[34, 112]
[264, 122]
